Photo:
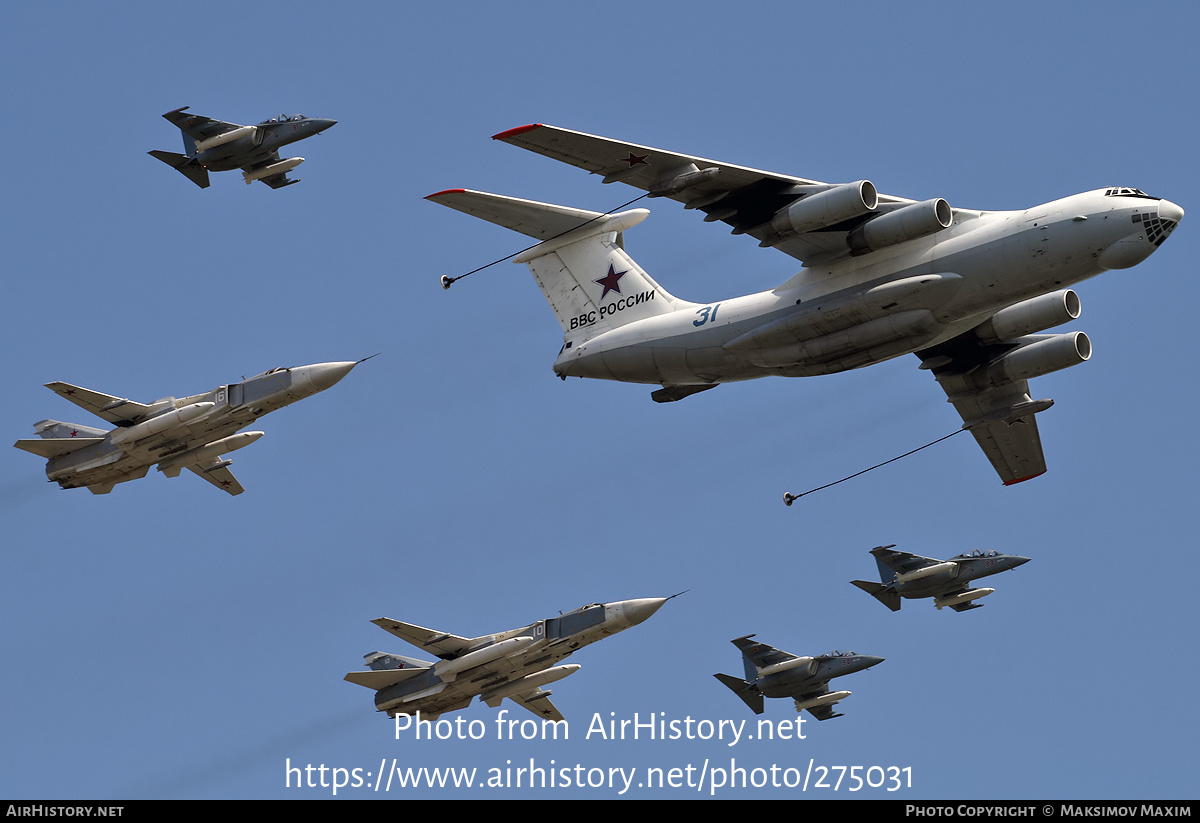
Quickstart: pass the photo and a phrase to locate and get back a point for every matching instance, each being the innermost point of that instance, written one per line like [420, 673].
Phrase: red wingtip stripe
[504, 135]
[1023, 479]
[444, 191]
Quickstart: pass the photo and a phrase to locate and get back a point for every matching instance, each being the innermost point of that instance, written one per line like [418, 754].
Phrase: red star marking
[74, 432]
[611, 281]
[636, 160]
[69, 391]
[225, 483]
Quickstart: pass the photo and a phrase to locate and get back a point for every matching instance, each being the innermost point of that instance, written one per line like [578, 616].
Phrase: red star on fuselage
[610, 281]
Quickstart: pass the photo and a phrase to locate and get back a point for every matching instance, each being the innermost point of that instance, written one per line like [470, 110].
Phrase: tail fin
[750, 696]
[883, 594]
[581, 266]
[186, 166]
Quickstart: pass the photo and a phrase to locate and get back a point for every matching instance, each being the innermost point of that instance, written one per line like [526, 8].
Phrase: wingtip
[444, 191]
[1023, 479]
[504, 135]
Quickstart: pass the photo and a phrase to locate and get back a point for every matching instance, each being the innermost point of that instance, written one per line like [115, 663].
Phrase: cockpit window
[284, 118]
[1125, 191]
[839, 653]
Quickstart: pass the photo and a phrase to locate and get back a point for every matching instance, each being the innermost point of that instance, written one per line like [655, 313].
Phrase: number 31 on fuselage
[968, 291]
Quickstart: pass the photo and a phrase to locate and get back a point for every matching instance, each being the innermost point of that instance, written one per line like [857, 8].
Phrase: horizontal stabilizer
[744, 690]
[529, 217]
[185, 165]
[382, 679]
[56, 446]
[883, 594]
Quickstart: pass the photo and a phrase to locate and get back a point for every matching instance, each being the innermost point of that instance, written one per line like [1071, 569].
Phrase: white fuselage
[854, 311]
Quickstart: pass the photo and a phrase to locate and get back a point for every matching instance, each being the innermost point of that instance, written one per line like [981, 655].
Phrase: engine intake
[1031, 316]
[905, 223]
[826, 208]
[1041, 354]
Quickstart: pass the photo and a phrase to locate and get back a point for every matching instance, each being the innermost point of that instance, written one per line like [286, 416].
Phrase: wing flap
[446, 646]
[118, 410]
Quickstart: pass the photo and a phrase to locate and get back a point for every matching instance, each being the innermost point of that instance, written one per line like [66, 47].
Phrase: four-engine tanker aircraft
[774, 673]
[967, 291]
[946, 581]
[185, 433]
[214, 145]
[513, 664]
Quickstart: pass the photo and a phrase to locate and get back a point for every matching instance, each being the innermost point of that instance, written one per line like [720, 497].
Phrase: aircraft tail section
[883, 594]
[749, 695]
[185, 165]
[581, 266]
[57, 438]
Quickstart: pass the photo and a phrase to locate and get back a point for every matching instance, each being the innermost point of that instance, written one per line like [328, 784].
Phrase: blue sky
[169, 641]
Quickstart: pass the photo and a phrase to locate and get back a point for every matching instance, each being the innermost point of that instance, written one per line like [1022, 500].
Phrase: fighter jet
[946, 581]
[186, 433]
[214, 145]
[774, 673]
[967, 291]
[513, 664]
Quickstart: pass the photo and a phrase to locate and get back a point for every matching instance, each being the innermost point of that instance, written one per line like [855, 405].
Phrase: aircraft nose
[323, 124]
[1169, 211]
[324, 375]
[1018, 560]
[639, 610]
[869, 661]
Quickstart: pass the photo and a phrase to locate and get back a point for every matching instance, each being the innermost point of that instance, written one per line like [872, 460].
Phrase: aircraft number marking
[707, 313]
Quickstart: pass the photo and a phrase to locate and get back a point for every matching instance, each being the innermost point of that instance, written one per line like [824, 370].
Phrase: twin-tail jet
[214, 145]
[513, 664]
[186, 433]
[969, 292]
[774, 673]
[946, 581]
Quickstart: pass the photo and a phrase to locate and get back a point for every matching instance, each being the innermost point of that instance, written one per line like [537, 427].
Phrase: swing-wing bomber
[969, 292]
[190, 433]
[514, 664]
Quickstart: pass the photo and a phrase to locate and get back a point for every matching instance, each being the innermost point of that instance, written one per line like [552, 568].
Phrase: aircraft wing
[114, 409]
[999, 416]
[198, 127]
[382, 679]
[901, 562]
[760, 654]
[216, 471]
[744, 198]
[445, 646]
[538, 702]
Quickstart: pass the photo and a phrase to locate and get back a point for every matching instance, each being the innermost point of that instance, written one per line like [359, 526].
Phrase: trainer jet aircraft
[774, 673]
[967, 291]
[513, 664]
[946, 581]
[186, 433]
[214, 145]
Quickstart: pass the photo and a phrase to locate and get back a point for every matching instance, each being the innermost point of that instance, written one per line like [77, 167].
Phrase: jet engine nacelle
[827, 208]
[1042, 354]
[448, 670]
[905, 223]
[1031, 316]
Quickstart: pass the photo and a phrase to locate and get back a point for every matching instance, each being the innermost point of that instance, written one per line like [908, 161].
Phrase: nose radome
[324, 375]
[639, 610]
[1169, 211]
